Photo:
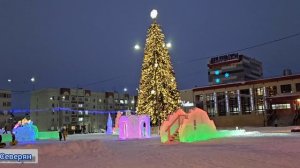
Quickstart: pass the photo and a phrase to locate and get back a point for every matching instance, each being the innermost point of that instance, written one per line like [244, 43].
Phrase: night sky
[89, 43]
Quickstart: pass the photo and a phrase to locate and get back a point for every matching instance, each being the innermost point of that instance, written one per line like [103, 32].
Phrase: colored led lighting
[227, 75]
[217, 72]
[218, 80]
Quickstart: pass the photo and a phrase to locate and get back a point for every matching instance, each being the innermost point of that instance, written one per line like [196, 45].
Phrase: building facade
[233, 68]
[251, 103]
[80, 110]
[5, 107]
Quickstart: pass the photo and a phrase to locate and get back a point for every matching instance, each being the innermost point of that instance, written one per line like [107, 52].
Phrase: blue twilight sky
[69, 43]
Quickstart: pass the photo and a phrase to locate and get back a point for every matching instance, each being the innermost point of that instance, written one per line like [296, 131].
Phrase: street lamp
[137, 47]
[32, 79]
[9, 80]
[169, 45]
[125, 89]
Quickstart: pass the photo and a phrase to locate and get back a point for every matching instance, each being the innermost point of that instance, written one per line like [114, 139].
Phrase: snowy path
[102, 151]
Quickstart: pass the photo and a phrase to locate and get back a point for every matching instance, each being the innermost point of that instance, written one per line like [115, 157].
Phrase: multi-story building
[250, 103]
[5, 107]
[233, 68]
[77, 109]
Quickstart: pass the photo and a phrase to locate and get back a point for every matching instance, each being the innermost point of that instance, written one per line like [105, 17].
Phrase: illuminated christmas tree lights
[158, 94]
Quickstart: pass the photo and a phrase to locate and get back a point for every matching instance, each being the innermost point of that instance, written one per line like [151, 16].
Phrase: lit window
[80, 119]
[80, 105]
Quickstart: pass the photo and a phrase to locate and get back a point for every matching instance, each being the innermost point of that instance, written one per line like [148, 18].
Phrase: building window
[8, 104]
[210, 104]
[259, 91]
[233, 103]
[286, 88]
[199, 101]
[281, 106]
[67, 119]
[297, 87]
[245, 101]
[221, 103]
[271, 91]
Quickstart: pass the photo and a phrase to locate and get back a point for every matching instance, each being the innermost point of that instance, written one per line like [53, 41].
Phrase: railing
[178, 119]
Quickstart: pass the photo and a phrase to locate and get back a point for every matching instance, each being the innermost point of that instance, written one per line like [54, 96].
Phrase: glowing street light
[137, 47]
[9, 80]
[125, 89]
[32, 79]
[169, 45]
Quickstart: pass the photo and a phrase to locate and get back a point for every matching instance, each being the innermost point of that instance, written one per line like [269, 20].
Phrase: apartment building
[5, 107]
[77, 109]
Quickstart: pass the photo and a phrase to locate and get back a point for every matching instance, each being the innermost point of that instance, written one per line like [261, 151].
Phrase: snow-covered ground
[271, 149]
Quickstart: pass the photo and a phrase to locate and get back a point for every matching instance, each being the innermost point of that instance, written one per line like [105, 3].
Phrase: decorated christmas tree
[158, 94]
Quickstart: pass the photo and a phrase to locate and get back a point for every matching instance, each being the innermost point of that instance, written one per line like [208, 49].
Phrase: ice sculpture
[134, 127]
[116, 128]
[25, 131]
[109, 125]
[197, 126]
[188, 127]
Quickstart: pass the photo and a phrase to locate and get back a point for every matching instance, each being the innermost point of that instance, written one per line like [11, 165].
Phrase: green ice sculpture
[189, 127]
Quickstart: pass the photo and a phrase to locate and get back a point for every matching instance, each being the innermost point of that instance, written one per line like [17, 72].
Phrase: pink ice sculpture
[134, 127]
